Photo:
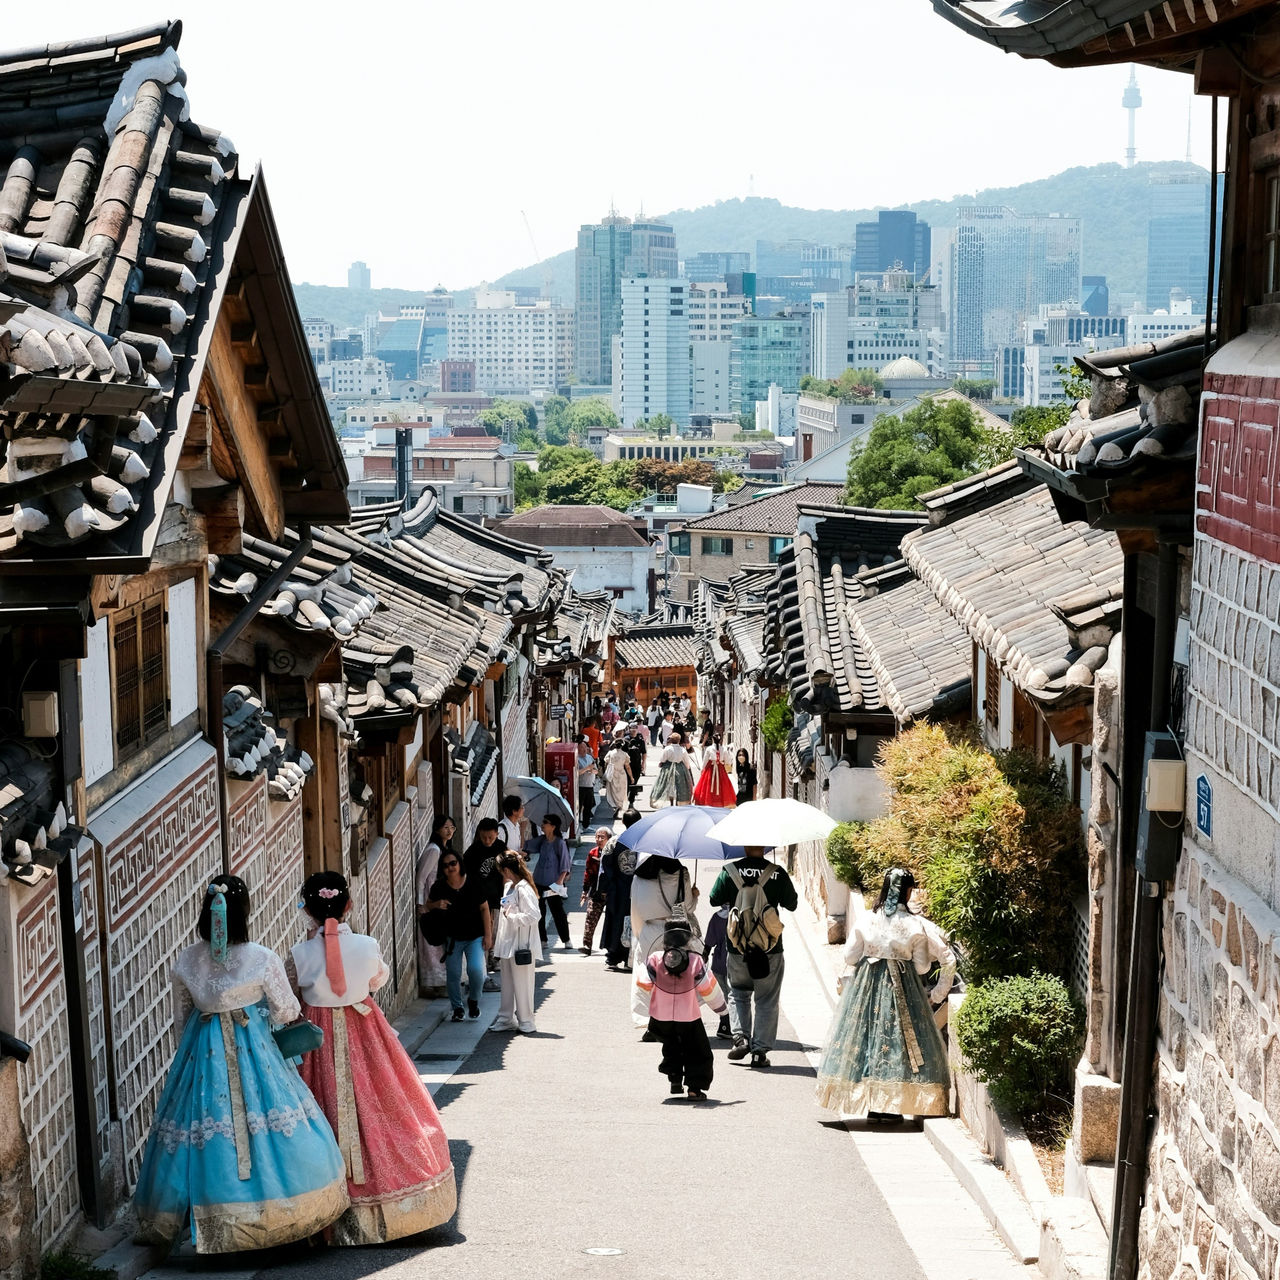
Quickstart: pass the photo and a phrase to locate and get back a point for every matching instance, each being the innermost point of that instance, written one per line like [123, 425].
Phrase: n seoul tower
[1131, 101]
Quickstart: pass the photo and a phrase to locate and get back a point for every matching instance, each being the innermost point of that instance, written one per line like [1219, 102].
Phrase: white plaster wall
[95, 704]
[601, 567]
[857, 795]
[184, 674]
[1006, 713]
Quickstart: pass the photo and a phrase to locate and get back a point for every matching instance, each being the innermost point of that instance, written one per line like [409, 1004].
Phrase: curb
[988, 1186]
[128, 1261]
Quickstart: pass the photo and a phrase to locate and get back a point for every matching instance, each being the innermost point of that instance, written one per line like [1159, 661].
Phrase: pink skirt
[399, 1173]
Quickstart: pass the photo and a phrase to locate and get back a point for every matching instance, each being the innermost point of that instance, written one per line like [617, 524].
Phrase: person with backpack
[676, 979]
[660, 890]
[755, 890]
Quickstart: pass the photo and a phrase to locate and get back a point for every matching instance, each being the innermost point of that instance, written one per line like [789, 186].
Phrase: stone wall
[18, 1259]
[1213, 1206]
[1214, 1164]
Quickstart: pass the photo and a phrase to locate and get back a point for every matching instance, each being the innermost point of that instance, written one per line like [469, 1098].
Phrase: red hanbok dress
[714, 785]
[399, 1173]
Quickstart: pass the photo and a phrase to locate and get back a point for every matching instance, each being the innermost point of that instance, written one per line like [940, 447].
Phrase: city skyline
[385, 207]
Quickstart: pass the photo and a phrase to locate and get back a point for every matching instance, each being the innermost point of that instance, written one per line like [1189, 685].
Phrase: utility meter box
[1160, 830]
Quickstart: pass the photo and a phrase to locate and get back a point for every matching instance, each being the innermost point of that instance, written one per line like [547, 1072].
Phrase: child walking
[676, 979]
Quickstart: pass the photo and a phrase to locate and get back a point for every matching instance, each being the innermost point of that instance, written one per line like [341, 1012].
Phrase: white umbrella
[772, 823]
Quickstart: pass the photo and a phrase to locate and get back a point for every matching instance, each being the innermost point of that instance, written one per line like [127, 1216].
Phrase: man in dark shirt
[636, 751]
[765, 985]
[480, 864]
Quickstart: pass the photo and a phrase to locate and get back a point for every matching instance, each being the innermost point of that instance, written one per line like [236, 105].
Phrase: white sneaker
[528, 1028]
[499, 1025]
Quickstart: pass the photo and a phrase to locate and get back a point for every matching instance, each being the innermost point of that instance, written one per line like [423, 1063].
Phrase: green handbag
[298, 1038]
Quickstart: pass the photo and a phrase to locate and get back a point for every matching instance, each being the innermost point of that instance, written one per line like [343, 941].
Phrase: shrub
[777, 723]
[994, 841]
[1021, 1036]
[66, 1265]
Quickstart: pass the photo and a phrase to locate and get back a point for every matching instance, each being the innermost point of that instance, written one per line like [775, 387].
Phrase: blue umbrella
[540, 798]
[680, 831]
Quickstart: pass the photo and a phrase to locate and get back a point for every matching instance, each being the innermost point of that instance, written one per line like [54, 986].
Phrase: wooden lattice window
[991, 698]
[1024, 722]
[139, 676]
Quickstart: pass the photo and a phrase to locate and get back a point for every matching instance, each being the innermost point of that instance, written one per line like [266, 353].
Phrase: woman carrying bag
[519, 915]
[458, 911]
[552, 878]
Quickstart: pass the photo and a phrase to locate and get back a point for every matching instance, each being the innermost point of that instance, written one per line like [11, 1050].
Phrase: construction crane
[537, 257]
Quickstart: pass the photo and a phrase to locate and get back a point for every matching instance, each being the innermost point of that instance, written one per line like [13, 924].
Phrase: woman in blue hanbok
[885, 1057]
[239, 1155]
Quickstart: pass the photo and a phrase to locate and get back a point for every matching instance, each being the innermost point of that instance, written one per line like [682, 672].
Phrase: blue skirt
[885, 1052]
[237, 1176]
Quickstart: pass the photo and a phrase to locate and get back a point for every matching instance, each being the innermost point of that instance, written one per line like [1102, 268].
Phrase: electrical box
[1166, 787]
[40, 715]
[1160, 830]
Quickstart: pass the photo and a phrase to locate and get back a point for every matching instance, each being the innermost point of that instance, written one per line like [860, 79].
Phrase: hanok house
[648, 660]
[158, 405]
[1191, 488]
[1040, 604]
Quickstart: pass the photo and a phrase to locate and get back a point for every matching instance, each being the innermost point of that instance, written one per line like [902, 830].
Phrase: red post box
[560, 769]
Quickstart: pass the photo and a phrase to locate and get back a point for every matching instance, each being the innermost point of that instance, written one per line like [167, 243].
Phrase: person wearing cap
[678, 982]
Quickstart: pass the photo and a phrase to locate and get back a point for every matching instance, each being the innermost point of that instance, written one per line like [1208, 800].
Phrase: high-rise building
[516, 348]
[1096, 297]
[609, 252]
[897, 238]
[764, 350]
[881, 318]
[714, 307]
[1177, 238]
[656, 374]
[708, 266]
[1004, 267]
[358, 276]
[457, 376]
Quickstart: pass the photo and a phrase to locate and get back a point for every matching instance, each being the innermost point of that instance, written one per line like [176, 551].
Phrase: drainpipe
[1137, 1075]
[214, 681]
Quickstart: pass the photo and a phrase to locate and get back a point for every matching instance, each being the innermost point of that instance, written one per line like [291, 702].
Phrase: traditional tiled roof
[34, 833]
[775, 512]
[576, 526]
[920, 656]
[808, 632]
[653, 647]
[1001, 570]
[254, 746]
[1143, 410]
[745, 633]
[119, 221]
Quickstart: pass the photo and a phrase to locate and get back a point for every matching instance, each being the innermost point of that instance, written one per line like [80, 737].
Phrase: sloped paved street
[567, 1142]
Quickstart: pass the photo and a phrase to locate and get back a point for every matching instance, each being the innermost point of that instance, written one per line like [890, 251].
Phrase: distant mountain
[1110, 200]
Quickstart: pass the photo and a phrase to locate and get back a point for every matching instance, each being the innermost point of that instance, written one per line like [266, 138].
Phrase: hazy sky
[413, 135]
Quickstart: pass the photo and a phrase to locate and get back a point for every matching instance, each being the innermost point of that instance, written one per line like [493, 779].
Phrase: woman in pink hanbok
[399, 1173]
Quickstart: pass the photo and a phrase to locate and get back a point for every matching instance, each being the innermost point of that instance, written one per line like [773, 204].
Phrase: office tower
[458, 376]
[1004, 267]
[883, 317]
[1095, 296]
[656, 369]
[714, 307]
[1177, 238]
[515, 347]
[897, 238]
[764, 350]
[609, 252]
[358, 276]
[708, 266]
[793, 269]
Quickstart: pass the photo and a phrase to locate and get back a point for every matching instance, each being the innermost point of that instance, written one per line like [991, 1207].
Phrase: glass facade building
[1177, 239]
[896, 238]
[1004, 267]
[608, 252]
[765, 350]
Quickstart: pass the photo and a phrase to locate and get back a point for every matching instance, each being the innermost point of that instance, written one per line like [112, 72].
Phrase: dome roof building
[904, 367]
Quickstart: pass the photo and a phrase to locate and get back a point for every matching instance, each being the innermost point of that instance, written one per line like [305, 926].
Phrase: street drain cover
[437, 1057]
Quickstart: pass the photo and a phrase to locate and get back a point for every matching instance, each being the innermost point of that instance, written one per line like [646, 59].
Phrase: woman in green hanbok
[885, 1057]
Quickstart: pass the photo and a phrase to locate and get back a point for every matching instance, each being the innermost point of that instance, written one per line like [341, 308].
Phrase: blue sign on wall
[1204, 805]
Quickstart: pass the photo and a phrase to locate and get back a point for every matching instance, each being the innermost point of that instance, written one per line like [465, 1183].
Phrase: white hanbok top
[252, 973]
[674, 753]
[906, 937]
[362, 963]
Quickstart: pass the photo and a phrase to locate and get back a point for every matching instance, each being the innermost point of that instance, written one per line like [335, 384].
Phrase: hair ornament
[893, 899]
[218, 923]
[327, 893]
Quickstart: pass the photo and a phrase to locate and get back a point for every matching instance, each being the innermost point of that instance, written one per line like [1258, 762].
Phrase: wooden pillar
[322, 807]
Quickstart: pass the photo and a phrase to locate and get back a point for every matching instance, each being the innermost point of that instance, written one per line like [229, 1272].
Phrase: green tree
[519, 413]
[853, 386]
[747, 421]
[527, 441]
[554, 409]
[975, 388]
[727, 482]
[661, 424]
[933, 444]
[529, 487]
